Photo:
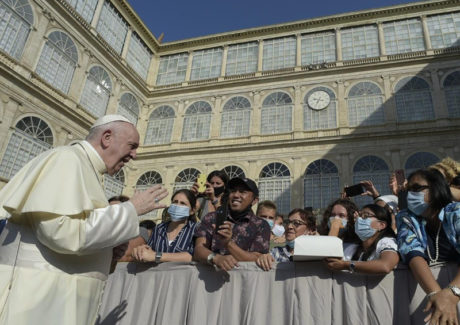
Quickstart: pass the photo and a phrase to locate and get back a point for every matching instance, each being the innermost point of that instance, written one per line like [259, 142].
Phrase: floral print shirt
[412, 236]
[250, 233]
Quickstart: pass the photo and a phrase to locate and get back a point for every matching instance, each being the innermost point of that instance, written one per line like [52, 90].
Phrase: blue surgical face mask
[416, 202]
[178, 212]
[363, 228]
[344, 222]
[290, 243]
[278, 230]
[270, 222]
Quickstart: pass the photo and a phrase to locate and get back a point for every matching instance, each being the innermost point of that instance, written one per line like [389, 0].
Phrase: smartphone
[400, 178]
[201, 180]
[221, 217]
[402, 200]
[354, 190]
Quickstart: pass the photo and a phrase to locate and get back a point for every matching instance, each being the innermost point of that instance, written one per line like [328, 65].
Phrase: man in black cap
[233, 233]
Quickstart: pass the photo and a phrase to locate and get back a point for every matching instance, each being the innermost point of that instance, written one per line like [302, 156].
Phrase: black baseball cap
[245, 182]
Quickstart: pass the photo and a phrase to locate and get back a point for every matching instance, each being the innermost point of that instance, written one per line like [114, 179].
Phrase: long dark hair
[349, 236]
[381, 214]
[440, 194]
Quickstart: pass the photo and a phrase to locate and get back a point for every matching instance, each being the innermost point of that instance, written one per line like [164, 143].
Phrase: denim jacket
[412, 238]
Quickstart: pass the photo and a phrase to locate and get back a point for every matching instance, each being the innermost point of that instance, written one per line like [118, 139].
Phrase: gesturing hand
[265, 262]
[149, 199]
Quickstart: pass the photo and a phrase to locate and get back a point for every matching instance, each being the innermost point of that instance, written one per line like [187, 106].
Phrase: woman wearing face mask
[377, 252]
[428, 234]
[172, 241]
[300, 222]
[213, 196]
[338, 220]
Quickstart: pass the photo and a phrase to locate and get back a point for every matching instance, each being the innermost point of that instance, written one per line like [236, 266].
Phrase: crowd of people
[219, 227]
[62, 233]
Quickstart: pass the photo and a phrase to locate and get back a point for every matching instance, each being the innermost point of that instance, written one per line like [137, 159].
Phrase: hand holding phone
[354, 190]
[201, 180]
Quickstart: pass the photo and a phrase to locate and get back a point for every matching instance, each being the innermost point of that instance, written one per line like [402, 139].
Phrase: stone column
[438, 98]
[338, 44]
[35, 41]
[342, 109]
[383, 51]
[345, 172]
[426, 33]
[216, 117]
[178, 122]
[10, 109]
[96, 16]
[112, 106]
[224, 61]
[298, 58]
[389, 104]
[189, 66]
[256, 110]
[297, 114]
[125, 49]
[260, 56]
[153, 70]
[79, 76]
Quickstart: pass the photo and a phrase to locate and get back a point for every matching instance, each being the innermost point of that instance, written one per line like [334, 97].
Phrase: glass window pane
[275, 185]
[452, 93]
[279, 53]
[374, 169]
[206, 64]
[325, 118]
[236, 117]
[276, 114]
[85, 8]
[242, 58]
[172, 69]
[96, 92]
[160, 126]
[129, 107]
[318, 48]
[403, 36]
[197, 122]
[365, 104]
[112, 27]
[413, 100]
[138, 56]
[360, 42]
[444, 30]
[16, 19]
[321, 184]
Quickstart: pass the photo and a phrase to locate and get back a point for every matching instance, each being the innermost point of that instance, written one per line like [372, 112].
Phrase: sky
[182, 19]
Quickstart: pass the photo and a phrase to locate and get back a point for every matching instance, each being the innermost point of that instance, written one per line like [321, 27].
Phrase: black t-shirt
[447, 253]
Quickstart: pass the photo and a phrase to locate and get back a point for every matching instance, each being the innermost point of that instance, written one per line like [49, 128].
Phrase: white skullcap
[108, 119]
[391, 200]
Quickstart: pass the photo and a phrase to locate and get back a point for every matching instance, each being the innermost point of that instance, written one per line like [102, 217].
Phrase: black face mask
[237, 215]
[219, 190]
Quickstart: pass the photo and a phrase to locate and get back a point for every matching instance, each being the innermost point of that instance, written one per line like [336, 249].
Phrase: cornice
[134, 19]
[326, 22]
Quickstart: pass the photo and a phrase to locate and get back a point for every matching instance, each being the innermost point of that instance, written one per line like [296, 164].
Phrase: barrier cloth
[293, 293]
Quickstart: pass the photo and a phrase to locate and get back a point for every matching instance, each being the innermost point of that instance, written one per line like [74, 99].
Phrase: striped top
[182, 243]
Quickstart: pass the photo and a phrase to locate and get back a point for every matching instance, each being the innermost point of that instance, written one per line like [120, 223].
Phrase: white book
[314, 248]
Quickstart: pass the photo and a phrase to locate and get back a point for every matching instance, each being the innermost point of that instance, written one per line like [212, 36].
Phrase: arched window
[320, 109]
[113, 185]
[413, 100]
[31, 137]
[96, 92]
[374, 169]
[419, 160]
[452, 93]
[234, 171]
[275, 185]
[365, 104]
[129, 107]
[321, 184]
[16, 19]
[147, 180]
[85, 8]
[197, 122]
[276, 115]
[186, 178]
[159, 128]
[58, 61]
[236, 117]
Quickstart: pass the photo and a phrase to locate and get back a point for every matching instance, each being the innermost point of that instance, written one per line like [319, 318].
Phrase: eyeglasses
[366, 215]
[417, 188]
[296, 223]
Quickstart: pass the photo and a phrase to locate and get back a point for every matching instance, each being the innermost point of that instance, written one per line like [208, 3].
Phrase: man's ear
[255, 201]
[106, 138]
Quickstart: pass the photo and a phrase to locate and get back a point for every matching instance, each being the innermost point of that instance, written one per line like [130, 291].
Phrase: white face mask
[278, 230]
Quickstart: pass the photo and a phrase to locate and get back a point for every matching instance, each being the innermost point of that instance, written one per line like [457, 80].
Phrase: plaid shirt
[250, 233]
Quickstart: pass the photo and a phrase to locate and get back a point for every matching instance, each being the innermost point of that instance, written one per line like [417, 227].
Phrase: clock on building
[318, 100]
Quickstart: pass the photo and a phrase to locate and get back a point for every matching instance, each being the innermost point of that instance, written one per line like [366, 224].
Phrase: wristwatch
[455, 290]
[352, 267]
[211, 258]
[158, 256]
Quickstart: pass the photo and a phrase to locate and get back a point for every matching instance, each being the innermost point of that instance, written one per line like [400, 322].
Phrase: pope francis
[56, 248]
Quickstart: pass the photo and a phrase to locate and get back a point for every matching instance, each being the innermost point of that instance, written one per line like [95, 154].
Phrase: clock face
[319, 100]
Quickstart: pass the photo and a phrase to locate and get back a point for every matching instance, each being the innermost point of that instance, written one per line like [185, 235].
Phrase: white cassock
[56, 248]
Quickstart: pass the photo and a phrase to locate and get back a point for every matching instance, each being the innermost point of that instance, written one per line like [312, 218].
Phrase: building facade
[303, 108]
